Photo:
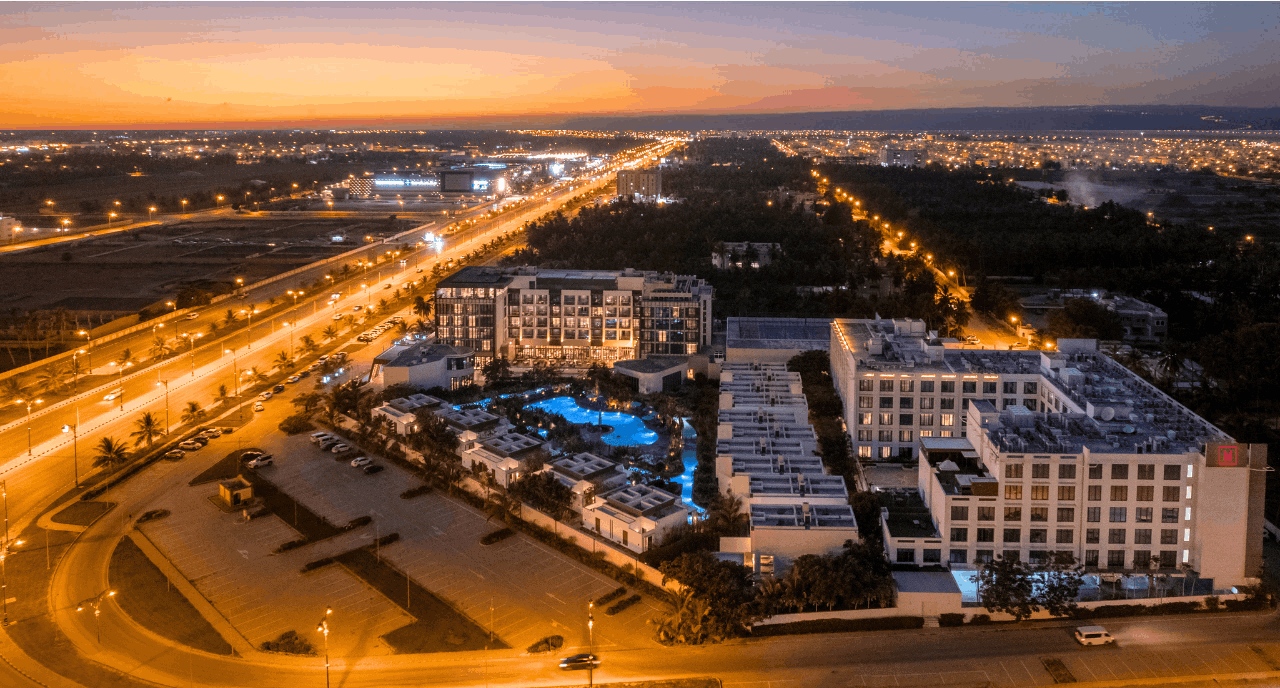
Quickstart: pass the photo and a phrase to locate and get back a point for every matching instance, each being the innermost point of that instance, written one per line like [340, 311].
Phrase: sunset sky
[316, 64]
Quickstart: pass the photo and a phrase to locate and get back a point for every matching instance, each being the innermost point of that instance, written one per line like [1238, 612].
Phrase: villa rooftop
[805, 516]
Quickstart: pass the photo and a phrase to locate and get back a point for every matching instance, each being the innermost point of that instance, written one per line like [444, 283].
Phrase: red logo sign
[1227, 456]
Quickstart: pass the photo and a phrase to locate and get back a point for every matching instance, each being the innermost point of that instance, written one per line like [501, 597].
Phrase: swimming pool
[628, 431]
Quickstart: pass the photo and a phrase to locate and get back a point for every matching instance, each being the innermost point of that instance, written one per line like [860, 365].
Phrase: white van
[1093, 635]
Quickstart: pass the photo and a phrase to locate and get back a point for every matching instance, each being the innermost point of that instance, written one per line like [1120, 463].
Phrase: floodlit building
[646, 183]
[425, 365]
[505, 454]
[1023, 453]
[573, 316]
[899, 157]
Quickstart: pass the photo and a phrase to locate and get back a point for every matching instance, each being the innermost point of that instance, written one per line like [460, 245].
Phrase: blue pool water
[628, 431]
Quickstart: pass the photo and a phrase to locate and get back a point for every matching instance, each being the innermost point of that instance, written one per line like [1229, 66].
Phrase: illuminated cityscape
[706, 345]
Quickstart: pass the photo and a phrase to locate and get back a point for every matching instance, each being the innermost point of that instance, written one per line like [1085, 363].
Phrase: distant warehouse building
[640, 183]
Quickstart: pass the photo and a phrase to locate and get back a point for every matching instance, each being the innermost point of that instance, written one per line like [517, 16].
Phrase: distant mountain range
[1083, 118]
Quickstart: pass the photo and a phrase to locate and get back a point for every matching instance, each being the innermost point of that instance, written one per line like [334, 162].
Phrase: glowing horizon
[342, 65]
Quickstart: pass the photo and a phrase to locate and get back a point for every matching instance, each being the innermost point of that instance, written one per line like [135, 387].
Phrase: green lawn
[143, 593]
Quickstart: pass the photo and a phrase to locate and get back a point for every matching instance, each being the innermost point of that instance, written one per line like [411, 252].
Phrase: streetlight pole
[29, 403]
[96, 605]
[248, 331]
[75, 452]
[166, 405]
[4, 576]
[323, 627]
[88, 345]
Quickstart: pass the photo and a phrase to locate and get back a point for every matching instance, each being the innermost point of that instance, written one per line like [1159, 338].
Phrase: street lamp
[120, 380]
[191, 344]
[166, 404]
[65, 224]
[220, 201]
[75, 441]
[151, 212]
[29, 403]
[248, 330]
[4, 574]
[110, 217]
[184, 205]
[365, 287]
[323, 627]
[88, 345]
[96, 604]
[591, 622]
[291, 326]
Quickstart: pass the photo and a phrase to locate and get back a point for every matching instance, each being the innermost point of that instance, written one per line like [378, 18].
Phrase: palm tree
[726, 516]
[149, 428]
[193, 414]
[284, 360]
[308, 402]
[223, 393]
[230, 318]
[309, 344]
[52, 378]
[421, 308]
[255, 376]
[110, 452]
[126, 358]
[160, 347]
[330, 333]
[1170, 364]
[12, 389]
[402, 328]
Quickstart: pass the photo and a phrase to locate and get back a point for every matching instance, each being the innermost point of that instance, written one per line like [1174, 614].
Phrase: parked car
[211, 432]
[259, 462]
[226, 430]
[174, 454]
[264, 396]
[582, 661]
[278, 389]
[340, 448]
[257, 406]
[199, 439]
[372, 468]
[190, 446]
[293, 378]
[318, 437]
[361, 461]
[304, 373]
[113, 395]
[1093, 635]
[340, 355]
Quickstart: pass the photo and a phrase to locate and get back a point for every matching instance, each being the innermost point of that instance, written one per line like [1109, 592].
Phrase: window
[986, 535]
[1067, 493]
[959, 534]
[1146, 493]
[1095, 471]
[926, 420]
[1011, 555]
[969, 387]
[1039, 491]
[1039, 513]
[886, 385]
[1142, 514]
[1040, 470]
[959, 513]
[1091, 557]
[1168, 559]
[1013, 492]
[1013, 470]
[1092, 536]
[1168, 515]
[1095, 493]
[1066, 471]
[926, 386]
[906, 386]
[1012, 535]
[886, 451]
[926, 403]
[1146, 471]
[1065, 536]
[947, 419]
[959, 556]
[1170, 493]
[886, 402]
[1119, 493]
[863, 385]
[1093, 514]
[1141, 559]
[988, 513]
[988, 388]
[1009, 388]
[1115, 536]
[1029, 388]
[864, 418]
[948, 386]
[1142, 536]
[886, 419]
[1168, 536]
[906, 436]
[1115, 557]
[865, 402]
[947, 404]
[932, 556]
[1171, 472]
[1119, 471]
[1118, 514]
[1038, 536]
[864, 452]
[906, 556]
[1013, 513]
[1066, 514]
[906, 419]
[885, 435]
[864, 435]
[983, 556]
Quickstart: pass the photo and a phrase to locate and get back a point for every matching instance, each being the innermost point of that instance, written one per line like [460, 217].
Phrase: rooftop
[419, 354]
[583, 466]
[778, 333]
[643, 500]
[468, 418]
[511, 443]
[652, 365]
[906, 516]
[807, 516]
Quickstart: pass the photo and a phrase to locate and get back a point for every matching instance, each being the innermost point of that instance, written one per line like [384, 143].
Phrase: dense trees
[725, 588]
[543, 492]
[1020, 590]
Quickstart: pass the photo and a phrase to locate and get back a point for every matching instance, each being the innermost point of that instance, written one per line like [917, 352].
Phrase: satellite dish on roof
[1129, 429]
[1107, 413]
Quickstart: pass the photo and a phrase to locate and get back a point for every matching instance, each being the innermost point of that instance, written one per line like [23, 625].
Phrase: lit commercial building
[899, 157]
[425, 365]
[645, 183]
[1023, 453]
[484, 180]
[574, 316]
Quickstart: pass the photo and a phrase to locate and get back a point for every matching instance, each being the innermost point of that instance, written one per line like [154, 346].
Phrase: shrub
[622, 606]
[1176, 608]
[980, 620]
[357, 522]
[297, 423]
[609, 597]
[292, 544]
[387, 539]
[553, 642]
[948, 620]
[313, 565]
[1251, 604]
[497, 536]
[885, 623]
[153, 515]
[1213, 603]
[415, 491]
[289, 642]
[261, 511]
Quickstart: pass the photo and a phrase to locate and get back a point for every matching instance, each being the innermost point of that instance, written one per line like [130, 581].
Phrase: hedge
[357, 522]
[980, 620]
[497, 536]
[152, 515]
[884, 623]
[387, 539]
[547, 644]
[416, 492]
[289, 642]
[609, 597]
[313, 565]
[623, 605]
[947, 620]
[292, 544]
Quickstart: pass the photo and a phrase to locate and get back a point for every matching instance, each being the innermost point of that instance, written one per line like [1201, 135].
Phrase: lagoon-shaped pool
[628, 430]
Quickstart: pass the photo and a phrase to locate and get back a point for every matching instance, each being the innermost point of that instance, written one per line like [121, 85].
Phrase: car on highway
[259, 462]
[361, 461]
[338, 316]
[582, 661]
[372, 468]
[971, 339]
[190, 446]
[386, 286]
[174, 454]
[192, 316]
[278, 389]
[357, 307]
[257, 406]
[1093, 635]
[113, 395]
